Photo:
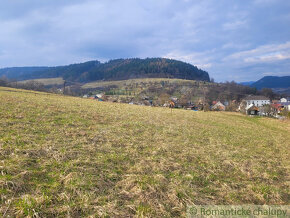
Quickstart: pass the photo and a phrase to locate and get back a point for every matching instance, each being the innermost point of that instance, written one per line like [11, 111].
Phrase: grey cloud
[203, 33]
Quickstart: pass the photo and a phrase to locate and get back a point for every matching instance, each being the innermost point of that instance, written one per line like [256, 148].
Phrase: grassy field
[121, 83]
[47, 81]
[65, 156]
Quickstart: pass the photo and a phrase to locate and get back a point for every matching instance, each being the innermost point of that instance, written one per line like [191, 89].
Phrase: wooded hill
[119, 69]
[272, 82]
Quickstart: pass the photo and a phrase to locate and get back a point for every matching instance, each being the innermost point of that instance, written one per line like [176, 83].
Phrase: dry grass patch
[121, 83]
[65, 156]
[47, 81]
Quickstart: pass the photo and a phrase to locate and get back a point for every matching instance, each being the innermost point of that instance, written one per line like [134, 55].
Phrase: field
[47, 81]
[121, 83]
[65, 156]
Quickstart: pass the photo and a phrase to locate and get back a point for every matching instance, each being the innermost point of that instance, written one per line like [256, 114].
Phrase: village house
[274, 110]
[218, 106]
[252, 110]
[256, 100]
[277, 107]
[99, 96]
[285, 100]
[285, 105]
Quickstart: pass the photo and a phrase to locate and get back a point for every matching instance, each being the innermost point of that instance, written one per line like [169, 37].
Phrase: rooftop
[256, 97]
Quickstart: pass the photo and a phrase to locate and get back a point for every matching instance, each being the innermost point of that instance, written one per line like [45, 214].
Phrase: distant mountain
[18, 72]
[273, 82]
[247, 83]
[119, 69]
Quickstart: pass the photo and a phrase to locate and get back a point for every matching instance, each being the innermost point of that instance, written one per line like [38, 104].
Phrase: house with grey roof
[257, 100]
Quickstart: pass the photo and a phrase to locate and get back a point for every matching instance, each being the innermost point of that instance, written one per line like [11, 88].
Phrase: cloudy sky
[239, 40]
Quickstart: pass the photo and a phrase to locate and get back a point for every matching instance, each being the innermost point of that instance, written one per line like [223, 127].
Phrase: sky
[240, 40]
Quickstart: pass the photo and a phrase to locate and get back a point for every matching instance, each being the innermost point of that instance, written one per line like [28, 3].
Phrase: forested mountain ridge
[119, 69]
[19, 72]
[272, 82]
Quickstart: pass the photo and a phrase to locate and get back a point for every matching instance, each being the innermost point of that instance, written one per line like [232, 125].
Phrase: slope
[66, 156]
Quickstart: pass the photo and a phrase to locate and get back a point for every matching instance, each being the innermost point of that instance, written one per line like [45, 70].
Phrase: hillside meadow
[122, 83]
[65, 156]
[46, 81]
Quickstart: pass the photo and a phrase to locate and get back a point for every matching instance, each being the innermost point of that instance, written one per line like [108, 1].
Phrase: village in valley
[168, 92]
[252, 105]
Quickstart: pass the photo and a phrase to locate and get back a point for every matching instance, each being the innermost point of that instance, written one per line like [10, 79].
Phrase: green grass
[65, 156]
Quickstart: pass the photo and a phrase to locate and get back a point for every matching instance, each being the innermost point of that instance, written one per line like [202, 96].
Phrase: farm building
[252, 110]
[256, 100]
[98, 96]
[218, 106]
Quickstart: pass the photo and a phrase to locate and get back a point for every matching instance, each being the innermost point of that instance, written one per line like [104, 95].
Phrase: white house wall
[258, 103]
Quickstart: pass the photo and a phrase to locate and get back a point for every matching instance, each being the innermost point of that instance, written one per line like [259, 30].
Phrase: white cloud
[276, 73]
[202, 33]
[234, 25]
[231, 45]
[263, 2]
[201, 60]
[265, 53]
[268, 57]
